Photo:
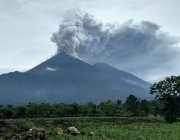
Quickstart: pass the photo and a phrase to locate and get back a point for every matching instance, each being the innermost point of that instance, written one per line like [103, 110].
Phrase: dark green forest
[133, 106]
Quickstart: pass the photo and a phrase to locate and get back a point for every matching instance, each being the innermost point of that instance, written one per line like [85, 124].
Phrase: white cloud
[50, 69]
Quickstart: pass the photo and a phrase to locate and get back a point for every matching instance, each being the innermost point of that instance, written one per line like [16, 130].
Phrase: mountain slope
[64, 78]
[126, 77]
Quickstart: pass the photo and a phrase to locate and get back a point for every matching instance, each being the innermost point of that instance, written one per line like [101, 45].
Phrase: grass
[103, 128]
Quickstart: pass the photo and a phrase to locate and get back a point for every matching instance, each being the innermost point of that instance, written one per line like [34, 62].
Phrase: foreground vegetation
[104, 128]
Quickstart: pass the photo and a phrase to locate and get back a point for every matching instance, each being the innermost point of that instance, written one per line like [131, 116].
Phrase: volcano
[64, 78]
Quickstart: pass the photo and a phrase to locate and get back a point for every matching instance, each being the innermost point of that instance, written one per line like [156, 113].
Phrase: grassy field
[103, 128]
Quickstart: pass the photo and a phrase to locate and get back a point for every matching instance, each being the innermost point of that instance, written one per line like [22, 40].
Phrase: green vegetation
[104, 128]
[167, 92]
[133, 106]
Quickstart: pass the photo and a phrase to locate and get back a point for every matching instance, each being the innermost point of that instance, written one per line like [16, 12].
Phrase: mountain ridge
[64, 78]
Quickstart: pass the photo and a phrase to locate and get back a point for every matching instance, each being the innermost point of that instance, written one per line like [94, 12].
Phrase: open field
[104, 128]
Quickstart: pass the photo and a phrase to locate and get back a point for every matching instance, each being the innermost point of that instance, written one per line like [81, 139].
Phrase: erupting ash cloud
[81, 35]
[129, 46]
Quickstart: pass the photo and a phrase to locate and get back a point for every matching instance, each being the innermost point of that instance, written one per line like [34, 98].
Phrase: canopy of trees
[133, 106]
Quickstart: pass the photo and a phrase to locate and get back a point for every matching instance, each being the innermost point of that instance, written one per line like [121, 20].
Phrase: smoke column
[130, 46]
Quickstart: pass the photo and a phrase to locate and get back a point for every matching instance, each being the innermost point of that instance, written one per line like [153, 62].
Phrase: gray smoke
[82, 36]
[134, 47]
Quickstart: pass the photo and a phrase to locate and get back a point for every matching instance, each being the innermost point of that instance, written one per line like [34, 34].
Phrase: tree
[133, 105]
[8, 112]
[76, 108]
[118, 102]
[108, 108]
[91, 108]
[20, 111]
[168, 92]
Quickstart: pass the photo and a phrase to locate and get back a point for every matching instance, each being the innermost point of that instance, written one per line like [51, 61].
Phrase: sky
[138, 36]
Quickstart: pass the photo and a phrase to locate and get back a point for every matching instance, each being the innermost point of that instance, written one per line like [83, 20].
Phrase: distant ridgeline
[66, 79]
[132, 107]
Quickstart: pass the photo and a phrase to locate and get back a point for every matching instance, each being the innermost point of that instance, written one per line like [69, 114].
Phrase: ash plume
[134, 47]
[81, 35]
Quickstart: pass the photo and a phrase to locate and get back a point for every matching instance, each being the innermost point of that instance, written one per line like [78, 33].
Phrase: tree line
[132, 107]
